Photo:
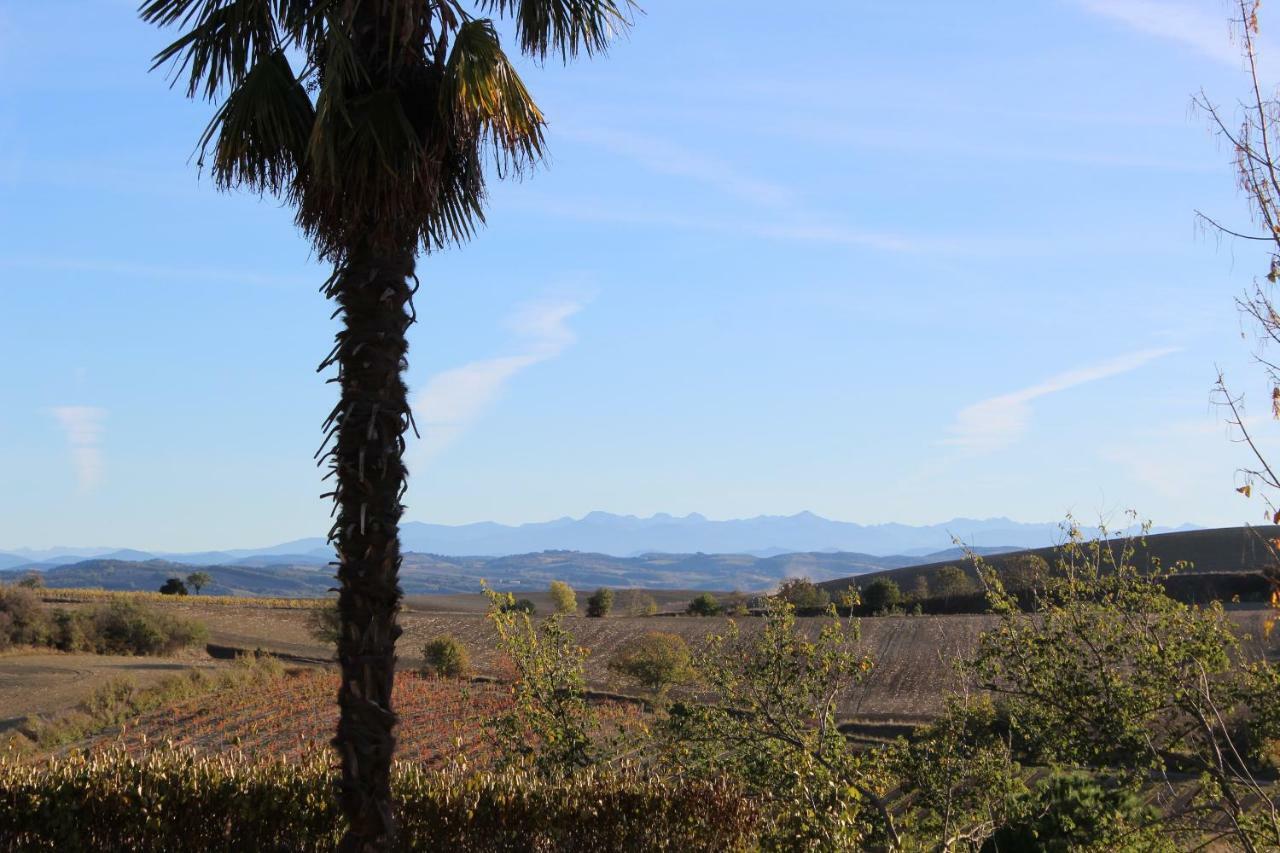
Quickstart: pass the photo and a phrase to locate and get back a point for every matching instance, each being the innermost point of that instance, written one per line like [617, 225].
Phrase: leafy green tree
[640, 603]
[1111, 672]
[1023, 572]
[920, 589]
[600, 603]
[959, 778]
[773, 728]
[951, 581]
[173, 586]
[198, 581]
[374, 121]
[563, 598]
[446, 657]
[550, 723]
[804, 594]
[1078, 811]
[882, 595]
[655, 660]
[704, 604]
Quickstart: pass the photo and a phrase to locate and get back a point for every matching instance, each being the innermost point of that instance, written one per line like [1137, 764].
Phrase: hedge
[169, 800]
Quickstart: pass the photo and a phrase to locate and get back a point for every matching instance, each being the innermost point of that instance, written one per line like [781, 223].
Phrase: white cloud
[997, 422]
[453, 399]
[1201, 27]
[83, 426]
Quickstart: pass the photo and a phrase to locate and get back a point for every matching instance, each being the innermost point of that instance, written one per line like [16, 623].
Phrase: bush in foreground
[176, 801]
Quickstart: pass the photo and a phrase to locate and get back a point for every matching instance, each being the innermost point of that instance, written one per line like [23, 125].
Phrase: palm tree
[373, 119]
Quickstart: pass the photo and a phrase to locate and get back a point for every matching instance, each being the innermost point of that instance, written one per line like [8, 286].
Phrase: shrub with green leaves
[655, 660]
[703, 604]
[882, 595]
[1112, 673]
[446, 657]
[550, 725]
[128, 628]
[23, 620]
[600, 603]
[772, 726]
[563, 598]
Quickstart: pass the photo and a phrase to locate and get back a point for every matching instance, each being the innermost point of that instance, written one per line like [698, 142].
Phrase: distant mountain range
[617, 536]
[425, 574]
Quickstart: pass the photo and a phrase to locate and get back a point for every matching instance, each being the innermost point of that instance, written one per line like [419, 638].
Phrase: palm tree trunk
[373, 294]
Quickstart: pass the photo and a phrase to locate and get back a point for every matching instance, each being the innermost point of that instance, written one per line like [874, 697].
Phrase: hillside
[1220, 552]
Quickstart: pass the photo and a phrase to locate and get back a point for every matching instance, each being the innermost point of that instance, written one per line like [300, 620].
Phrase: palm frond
[488, 101]
[261, 132]
[223, 40]
[565, 26]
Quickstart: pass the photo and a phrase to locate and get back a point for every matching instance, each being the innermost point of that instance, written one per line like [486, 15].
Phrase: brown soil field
[914, 656]
[49, 683]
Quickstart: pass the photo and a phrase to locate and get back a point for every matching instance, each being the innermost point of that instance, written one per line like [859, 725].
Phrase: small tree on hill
[952, 582]
[563, 598]
[1023, 572]
[920, 589]
[704, 604]
[882, 595]
[803, 594]
[173, 586]
[198, 581]
[600, 603]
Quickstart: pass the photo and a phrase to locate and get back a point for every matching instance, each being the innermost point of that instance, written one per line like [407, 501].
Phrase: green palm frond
[488, 100]
[565, 26]
[224, 40]
[262, 129]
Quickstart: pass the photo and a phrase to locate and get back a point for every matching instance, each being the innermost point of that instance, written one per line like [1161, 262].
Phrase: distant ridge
[434, 574]
[624, 536]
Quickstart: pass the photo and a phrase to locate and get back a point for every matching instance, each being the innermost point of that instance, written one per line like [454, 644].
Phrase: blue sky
[884, 262]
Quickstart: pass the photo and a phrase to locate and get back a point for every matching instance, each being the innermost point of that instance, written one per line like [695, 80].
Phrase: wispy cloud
[814, 233]
[83, 427]
[453, 399]
[667, 158]
[1201, 27]
[997, 422]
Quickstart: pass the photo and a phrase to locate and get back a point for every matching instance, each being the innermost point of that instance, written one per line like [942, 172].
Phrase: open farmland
[914, 655]
[48, 683]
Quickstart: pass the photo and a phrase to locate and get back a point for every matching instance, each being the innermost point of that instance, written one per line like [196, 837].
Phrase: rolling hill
[1224, 557]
